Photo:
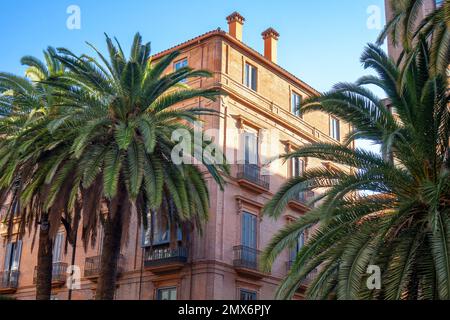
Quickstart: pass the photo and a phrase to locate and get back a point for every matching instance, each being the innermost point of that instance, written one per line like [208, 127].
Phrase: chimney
[270, 37]
[235, 23]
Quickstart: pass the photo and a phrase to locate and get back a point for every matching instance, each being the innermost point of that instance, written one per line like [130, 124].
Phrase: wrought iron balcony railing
[59, 272]
[252, 173]
[9, 279]
[304, 197]
[246, 257]
[164, 256]
[92, 266]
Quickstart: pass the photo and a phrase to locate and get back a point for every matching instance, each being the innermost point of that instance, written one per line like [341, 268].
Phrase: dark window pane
[247, 295]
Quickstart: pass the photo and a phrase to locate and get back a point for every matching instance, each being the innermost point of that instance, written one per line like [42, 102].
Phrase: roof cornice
[255, 54]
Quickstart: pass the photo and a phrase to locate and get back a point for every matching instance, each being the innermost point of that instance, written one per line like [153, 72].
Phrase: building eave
[255, 54]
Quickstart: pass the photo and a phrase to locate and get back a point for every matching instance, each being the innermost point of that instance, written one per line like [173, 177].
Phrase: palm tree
[120, 115]
[374, 211]
[405, 30]
[26, 107]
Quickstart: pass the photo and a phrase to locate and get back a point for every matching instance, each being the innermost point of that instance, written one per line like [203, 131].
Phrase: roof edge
[251, 51]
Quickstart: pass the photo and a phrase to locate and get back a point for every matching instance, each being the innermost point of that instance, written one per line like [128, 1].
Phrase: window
[12, 256]
[166, 294]
[58, 247]
[298, 246]
[180, 64]
[296, 100]
[246, 295]
[16, 208]
[249, 234]
[161, 232]
[250, 76]
[335, 131]
[297, 167]
[101, 236]
[251, 155]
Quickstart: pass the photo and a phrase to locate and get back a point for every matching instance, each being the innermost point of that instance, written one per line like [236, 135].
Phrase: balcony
[246, 261]
[92, 267]
[164, 260]
[9, 281]
[310, 277]
[249, 176]
[300, 202]
[59, 274]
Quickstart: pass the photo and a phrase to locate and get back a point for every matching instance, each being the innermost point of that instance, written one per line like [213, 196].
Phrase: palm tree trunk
[173, 236]
[44, 265]
[106, 285]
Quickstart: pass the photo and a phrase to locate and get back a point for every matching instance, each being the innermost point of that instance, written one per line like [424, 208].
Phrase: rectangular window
[101, 235]
[15, 208]
[298, 246]
[298, 167]
[247, 295]
[161, 231]
[58, 247]
[250, 76]
[296, 100]
[251, 155]
[180, 64]
[249, 233]
[166, 294]
[12, 257]
[335, 130]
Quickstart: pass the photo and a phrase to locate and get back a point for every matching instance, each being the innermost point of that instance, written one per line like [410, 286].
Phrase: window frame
[146, 233]
[250, 76]
[13, 254]
[300, 243]
[58, 248]
[302, 169]
[185, 63]
[159, 291]
[251, 155]
[335, 134]
[254, 228]
[296, 112]
[248, 292]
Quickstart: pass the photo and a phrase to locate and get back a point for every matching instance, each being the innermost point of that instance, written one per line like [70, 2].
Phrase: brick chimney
[270, 37]
[235, 23]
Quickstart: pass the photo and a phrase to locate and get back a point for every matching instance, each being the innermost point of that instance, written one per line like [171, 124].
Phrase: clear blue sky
[321, 41]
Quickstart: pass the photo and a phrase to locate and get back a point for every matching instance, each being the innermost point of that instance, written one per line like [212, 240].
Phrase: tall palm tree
[392, 214]
[405, 29]
[26, 106]
[120, 114]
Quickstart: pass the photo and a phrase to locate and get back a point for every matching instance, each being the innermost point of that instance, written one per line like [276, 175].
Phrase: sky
[320, 41]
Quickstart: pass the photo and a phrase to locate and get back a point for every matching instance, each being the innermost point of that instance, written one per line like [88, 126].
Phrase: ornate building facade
[259, 105]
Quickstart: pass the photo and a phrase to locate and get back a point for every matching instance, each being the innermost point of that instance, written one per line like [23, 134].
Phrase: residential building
[223, 262]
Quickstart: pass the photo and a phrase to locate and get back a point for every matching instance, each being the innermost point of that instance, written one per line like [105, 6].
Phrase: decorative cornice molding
[243, 120]
[241, 200]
